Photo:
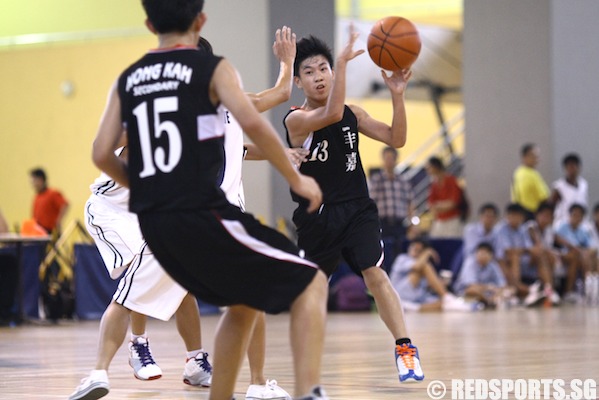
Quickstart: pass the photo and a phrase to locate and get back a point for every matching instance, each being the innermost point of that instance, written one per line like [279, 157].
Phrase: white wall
[529, 69]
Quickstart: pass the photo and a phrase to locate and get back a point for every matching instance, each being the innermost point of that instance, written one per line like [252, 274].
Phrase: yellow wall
[19, 17]
[42, 127]
[422, 122]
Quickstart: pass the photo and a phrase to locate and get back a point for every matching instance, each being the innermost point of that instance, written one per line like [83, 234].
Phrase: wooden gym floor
[47, 362]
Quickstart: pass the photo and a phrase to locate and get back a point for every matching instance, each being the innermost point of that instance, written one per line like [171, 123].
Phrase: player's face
[315, 77]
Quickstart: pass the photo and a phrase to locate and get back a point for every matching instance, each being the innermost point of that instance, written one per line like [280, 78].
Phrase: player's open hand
[397, 82]
[307, 188]
[348, 53]
[297, 155]
[284, 47]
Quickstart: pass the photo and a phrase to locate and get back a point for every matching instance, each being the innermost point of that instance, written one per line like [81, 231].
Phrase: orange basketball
[394, 43]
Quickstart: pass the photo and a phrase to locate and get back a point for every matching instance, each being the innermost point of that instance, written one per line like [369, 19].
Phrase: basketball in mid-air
[394, 43]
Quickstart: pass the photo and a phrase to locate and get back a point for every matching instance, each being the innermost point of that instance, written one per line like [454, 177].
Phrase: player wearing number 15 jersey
[168, 102]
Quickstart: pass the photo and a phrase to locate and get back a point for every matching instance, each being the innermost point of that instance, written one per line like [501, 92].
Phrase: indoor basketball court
[47, 362]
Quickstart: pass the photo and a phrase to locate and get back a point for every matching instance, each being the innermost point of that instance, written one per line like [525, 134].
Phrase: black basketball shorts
[226, 257]
[349, 230]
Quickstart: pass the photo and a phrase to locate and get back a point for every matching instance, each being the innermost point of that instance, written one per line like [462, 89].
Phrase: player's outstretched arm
[309, 119]
[396, 134]
[108, 137]
[284, 48]
[225, 88]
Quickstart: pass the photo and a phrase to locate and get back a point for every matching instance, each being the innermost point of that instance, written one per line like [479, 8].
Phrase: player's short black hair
[485, 246]
[311, 47]
[205, 46]
[579, 207]
[571, 158]
[515, 208]
[527, 148]
[596, 208]
[169, 16]
[488, 207]
[38, 173]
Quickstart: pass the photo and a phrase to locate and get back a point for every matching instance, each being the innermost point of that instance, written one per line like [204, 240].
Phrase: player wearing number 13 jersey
[347, 224]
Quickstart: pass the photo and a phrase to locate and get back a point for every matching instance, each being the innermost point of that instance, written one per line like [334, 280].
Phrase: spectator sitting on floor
[585, 253]
[417, 282]
[481, 277]
[543, 238]
[483, 230]
[513, 252]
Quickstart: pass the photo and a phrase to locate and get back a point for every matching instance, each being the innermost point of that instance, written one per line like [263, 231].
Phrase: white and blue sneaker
[271, 390]
[141, 360]
[92, 387]
[198, 371]
[408, 363]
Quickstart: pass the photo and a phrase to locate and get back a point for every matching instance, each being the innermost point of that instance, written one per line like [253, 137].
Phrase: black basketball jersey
[175, 134]
[334, 160]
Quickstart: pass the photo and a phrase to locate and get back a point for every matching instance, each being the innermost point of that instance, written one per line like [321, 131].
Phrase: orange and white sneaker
[408, 363]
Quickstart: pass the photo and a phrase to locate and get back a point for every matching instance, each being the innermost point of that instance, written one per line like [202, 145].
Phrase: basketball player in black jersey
[168, 102]
[347, 223]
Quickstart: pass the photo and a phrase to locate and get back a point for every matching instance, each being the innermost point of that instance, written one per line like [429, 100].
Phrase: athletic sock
[403, 341]
[193, 353]
[134, 337]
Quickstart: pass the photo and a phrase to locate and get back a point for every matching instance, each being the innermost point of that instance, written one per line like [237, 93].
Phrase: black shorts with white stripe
[226, 257]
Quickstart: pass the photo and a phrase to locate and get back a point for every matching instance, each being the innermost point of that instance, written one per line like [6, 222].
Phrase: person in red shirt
[443, 201]
[49, 205]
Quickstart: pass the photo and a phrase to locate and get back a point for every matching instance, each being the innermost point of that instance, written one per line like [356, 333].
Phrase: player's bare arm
[107, 140]
[225, 87]
[317, 113]
[296, 155]
[396, 134]
[284, 48]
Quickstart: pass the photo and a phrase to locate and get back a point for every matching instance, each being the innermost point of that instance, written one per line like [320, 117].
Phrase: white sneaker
[554, 297]
[268, 391]
[535, 295]
[453, 303]
[198, 371]
[141, 360]
[572, 298]
[92, 387]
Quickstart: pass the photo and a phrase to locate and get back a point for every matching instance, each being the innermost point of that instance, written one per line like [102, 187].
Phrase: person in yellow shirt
[528, 186]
